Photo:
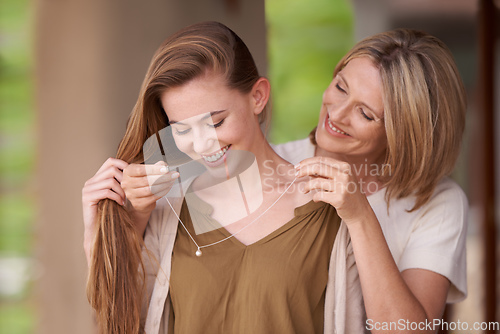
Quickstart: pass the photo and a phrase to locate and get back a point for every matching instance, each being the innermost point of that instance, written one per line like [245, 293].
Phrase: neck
[275, 172]
[271, 165]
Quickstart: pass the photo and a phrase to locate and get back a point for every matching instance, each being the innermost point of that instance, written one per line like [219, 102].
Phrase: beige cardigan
[344, 310]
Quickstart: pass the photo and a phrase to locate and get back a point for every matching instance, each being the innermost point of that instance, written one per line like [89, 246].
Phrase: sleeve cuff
[440, 265]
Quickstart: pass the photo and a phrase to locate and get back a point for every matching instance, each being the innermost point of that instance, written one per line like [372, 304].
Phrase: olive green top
[275, 285]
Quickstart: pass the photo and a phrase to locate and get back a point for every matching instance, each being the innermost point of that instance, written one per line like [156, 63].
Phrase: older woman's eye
[340, 88]
[365, 115]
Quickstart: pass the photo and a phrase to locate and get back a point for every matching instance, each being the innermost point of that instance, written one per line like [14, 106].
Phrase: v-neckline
[207, 210]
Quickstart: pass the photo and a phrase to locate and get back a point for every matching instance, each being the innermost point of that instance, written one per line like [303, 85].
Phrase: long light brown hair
[424, 109]
[116, 280]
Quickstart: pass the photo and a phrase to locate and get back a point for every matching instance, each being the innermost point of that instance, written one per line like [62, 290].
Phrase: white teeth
[335, 129]
[216, 156]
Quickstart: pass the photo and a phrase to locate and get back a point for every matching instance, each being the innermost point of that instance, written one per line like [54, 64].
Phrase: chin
[328, 143]
[235, 163]
[324, 140]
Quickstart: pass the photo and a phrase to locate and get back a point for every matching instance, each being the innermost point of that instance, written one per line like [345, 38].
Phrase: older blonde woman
[389, 133]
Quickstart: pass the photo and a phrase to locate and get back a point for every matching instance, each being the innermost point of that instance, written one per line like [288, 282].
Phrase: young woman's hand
[143, 186]
[336, 184]
[104, 184]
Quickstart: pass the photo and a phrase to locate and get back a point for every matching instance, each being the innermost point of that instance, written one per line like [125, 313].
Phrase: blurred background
[70, 72]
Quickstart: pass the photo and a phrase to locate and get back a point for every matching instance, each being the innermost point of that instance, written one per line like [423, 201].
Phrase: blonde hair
[424, 109]
[116, 280]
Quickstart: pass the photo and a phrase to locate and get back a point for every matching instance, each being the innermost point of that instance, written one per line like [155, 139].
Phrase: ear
[260, 94]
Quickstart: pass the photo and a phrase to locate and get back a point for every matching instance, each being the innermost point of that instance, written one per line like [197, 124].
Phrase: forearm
[88, 240]
[387, 297]
[141, 220]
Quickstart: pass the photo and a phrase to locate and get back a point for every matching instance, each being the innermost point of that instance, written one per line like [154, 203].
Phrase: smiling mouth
[216, 156]
[331, 126]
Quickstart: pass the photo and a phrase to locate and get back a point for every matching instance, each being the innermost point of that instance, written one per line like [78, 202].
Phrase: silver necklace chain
[198, 251]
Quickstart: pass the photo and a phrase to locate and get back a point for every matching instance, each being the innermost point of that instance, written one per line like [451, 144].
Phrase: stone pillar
[91, 57]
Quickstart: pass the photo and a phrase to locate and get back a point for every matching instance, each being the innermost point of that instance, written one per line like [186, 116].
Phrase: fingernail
[297, 172]
[164, 169]
[175, 175]
[297, 166]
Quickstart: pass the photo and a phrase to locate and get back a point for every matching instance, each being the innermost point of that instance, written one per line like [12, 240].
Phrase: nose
[336, 104]
[339, 113]
[205, 140]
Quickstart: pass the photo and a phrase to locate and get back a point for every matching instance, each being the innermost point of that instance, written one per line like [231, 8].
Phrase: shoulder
[295, 151]
[448, 197]
[168, 207]
[163, 219]
[449, 192]
[439, 226]
[447, 203]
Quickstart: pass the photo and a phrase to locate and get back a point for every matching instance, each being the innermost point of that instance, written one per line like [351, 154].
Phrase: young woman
[389, 133]
[283, 265]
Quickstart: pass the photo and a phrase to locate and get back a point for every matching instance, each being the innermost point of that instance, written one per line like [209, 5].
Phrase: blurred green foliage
[306, 39]
[16, 318]
[16, 128]
[17, 152]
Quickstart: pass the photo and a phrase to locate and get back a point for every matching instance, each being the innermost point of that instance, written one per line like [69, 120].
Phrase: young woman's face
[209, 120]
[351, 119]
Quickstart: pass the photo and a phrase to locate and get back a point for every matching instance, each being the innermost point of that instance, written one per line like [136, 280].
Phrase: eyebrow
[212, 113]
[363, 103]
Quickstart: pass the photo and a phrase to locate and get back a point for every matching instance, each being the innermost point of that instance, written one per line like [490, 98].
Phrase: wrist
[362, 215]
[87, 248]
[362, 224]
[141, 219]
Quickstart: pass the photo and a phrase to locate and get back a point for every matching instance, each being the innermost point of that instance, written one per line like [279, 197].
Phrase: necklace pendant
[198, 252]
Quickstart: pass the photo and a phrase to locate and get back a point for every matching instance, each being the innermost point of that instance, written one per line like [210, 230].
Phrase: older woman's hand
[336, 184]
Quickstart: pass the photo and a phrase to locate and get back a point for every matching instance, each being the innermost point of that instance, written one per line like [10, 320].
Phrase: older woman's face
[351, 121]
